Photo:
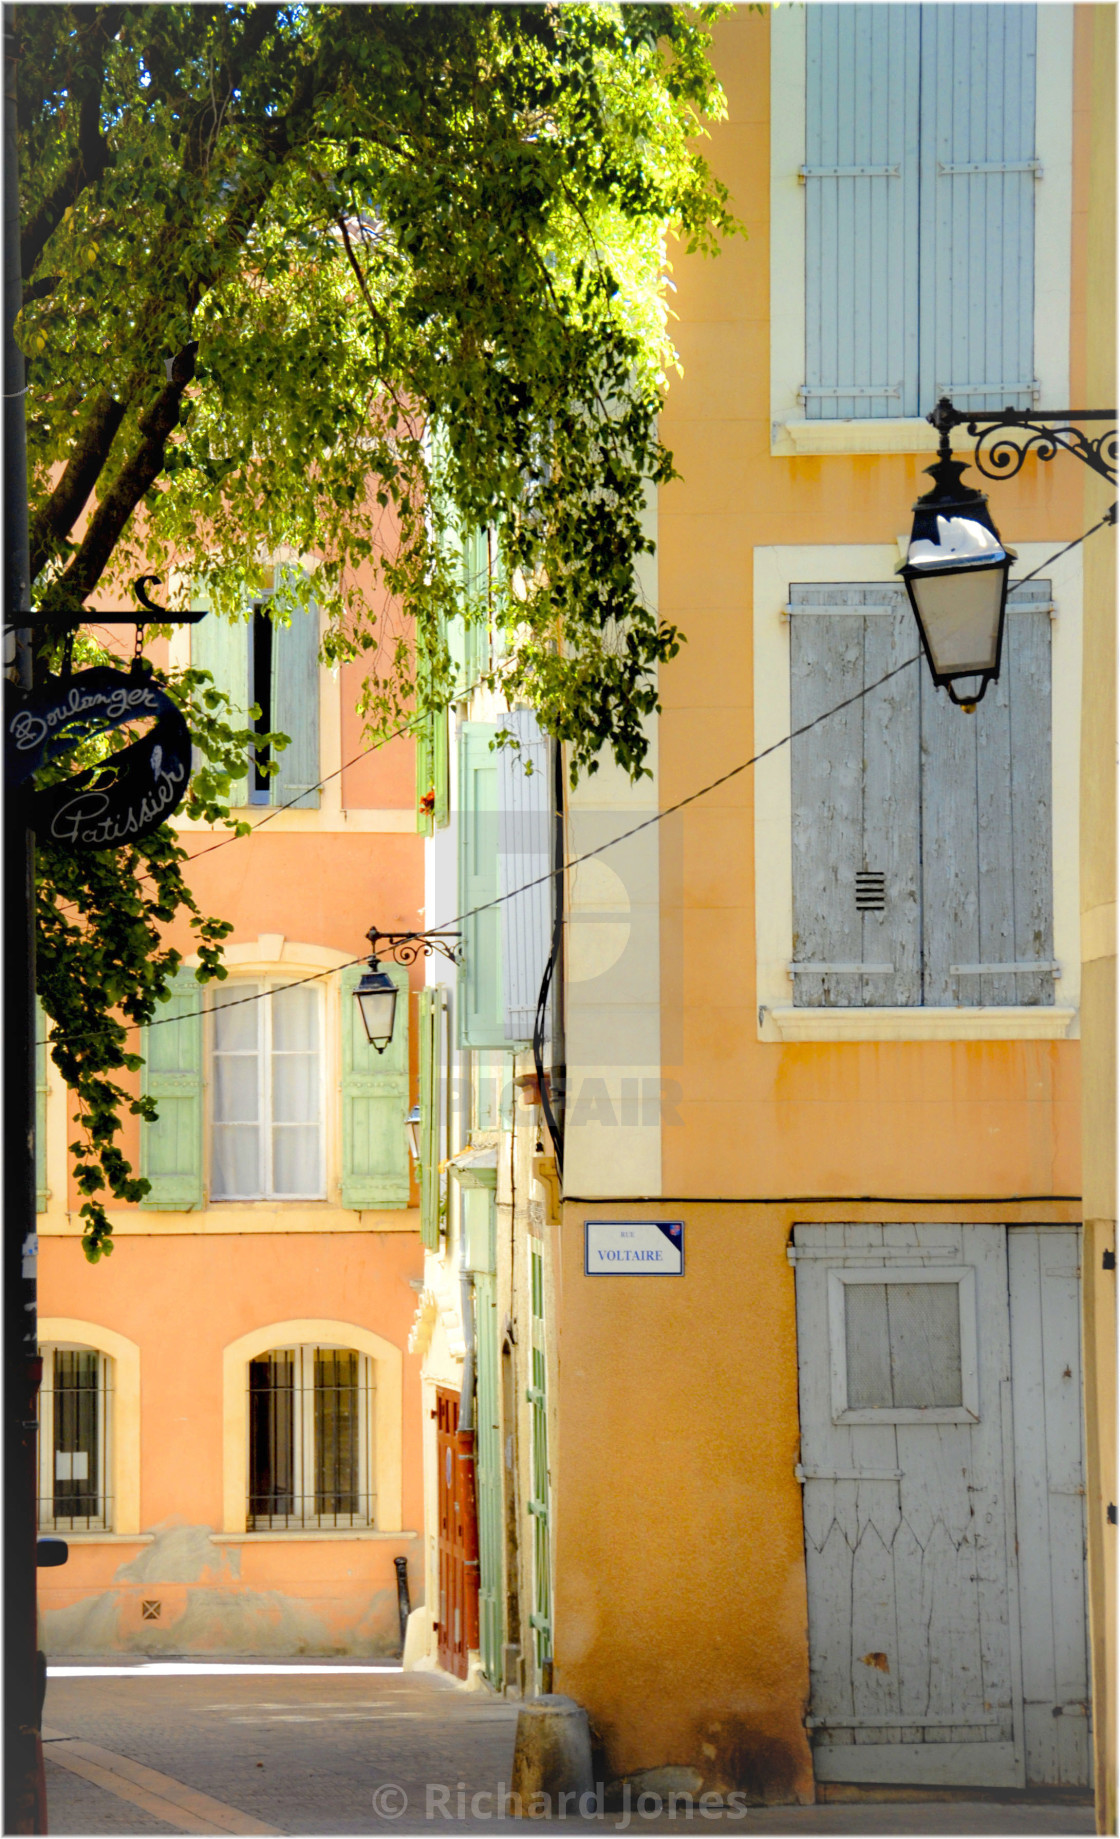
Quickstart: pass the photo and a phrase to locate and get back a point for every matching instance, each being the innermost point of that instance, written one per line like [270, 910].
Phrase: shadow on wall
[184, 1595]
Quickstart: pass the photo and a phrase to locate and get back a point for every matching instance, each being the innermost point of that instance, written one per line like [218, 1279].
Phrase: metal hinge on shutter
[852, 389]
[948, 172]
[1031, 387]
[847, 172]
[843, 970]
[1005, 970]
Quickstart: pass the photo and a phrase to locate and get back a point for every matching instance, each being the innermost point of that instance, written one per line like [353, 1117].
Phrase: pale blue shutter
[987, 896]
[171, 1148]
[855, 800]
[481, 1021]
[295, 709]
[524, 847]
[374, 1102]
[861, 210]
[42, 1192]
[978, 171]
[221, 646]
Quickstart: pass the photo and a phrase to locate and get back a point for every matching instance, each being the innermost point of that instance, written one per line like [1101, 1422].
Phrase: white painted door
[940, 1386]
[904, 1353]
[1044, 1278]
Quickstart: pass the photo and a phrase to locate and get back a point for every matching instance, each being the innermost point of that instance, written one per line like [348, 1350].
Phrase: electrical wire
[572, 861]
[658, 817]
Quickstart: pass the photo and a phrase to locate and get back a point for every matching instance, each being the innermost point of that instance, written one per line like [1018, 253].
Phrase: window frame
[46, 1465]
[968, 1411]
[791, 431]
[387, 1399]
[269, 985]
[775, 567]
[304, 1516]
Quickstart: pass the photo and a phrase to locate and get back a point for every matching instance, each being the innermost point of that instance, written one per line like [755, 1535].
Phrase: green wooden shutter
[295, 705]
[171, 1148]
[221, 646]
[481, 1019]
[425, 775]
[374, 1103]
[42, 1192]
[431, 1017]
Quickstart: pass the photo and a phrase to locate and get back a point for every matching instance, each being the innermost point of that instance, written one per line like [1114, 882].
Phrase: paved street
[326, 1748]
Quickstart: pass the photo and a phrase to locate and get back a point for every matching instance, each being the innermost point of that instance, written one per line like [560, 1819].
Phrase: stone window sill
[913, 1024]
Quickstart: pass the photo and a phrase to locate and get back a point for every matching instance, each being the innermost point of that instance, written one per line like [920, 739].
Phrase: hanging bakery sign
[132, 792]
[127, 796]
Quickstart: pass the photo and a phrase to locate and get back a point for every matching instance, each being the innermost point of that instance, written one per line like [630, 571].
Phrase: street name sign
[633, 1248]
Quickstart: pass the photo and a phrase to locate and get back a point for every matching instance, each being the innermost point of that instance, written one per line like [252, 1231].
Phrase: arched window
[310, 1439]
[75, 1431]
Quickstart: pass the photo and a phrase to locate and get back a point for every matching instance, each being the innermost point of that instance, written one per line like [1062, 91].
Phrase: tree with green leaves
[343, 281]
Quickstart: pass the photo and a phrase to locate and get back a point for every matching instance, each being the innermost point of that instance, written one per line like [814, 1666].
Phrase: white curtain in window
[267, 1094]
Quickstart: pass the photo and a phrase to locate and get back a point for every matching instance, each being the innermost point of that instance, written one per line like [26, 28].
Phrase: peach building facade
[229, 1428]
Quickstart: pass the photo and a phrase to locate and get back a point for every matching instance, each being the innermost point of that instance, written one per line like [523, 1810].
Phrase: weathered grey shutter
[861, 210]
[42, 1192]
[987, 894]
[374, 1102]
[480, 976]
[977, 204]
[854, 782]
[524, 834]
[221, 646]
[171, 1148]
[295, 705]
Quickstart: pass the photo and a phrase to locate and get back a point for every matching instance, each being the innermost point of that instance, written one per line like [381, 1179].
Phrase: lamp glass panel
[378, 1009]
[959, 610]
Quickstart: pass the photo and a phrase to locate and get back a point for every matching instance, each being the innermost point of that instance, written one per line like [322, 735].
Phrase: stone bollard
[552, 1754]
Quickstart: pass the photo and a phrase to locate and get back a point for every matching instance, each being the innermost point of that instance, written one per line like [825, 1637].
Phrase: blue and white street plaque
[633, 1248]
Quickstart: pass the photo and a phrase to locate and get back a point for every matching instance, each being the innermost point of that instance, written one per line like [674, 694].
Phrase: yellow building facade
[850, 1120]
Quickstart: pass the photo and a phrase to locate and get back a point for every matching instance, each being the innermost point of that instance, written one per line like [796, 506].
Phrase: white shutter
[524, 841]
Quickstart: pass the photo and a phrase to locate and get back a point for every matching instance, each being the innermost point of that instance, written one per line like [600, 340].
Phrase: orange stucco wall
[680, 1606]
[182, 1299]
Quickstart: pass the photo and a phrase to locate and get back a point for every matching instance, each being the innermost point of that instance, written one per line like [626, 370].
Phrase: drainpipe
[465, 1442]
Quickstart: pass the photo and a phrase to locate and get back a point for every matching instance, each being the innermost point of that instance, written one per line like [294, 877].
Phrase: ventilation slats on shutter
[524, 832]
[374, 1102]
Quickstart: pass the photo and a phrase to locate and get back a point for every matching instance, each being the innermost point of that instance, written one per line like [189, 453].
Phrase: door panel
[1050, 1500]
[452, 1551]
[908, 1504]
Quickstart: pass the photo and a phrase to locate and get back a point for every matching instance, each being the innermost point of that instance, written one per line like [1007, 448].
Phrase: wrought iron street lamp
[376, 993]
[956, 567]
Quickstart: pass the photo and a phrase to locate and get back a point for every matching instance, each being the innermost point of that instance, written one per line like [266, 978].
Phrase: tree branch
[94, 153]
[134, 480]
[54, 521]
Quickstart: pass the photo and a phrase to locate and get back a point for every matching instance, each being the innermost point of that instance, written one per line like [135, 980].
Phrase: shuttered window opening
[921, 836]
[919, 210]
[74, 1428]
[432, 1183]
[267, 1112]
[310, 1428]
[274, 666]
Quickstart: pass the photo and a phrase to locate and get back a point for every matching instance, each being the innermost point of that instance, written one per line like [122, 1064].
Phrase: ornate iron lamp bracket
[1004, 437]
[406, 947]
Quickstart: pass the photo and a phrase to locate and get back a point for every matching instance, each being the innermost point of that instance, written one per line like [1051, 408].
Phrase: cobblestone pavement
[325, 1749]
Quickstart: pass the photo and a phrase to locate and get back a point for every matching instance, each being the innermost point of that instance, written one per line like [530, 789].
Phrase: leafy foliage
[335, 282]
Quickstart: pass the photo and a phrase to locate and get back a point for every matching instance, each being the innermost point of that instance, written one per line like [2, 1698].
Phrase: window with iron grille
[310, 1439]
[74, 1432]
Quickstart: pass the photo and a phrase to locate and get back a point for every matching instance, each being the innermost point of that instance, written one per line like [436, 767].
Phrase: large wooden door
[940, 1387]
[452, 1550]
